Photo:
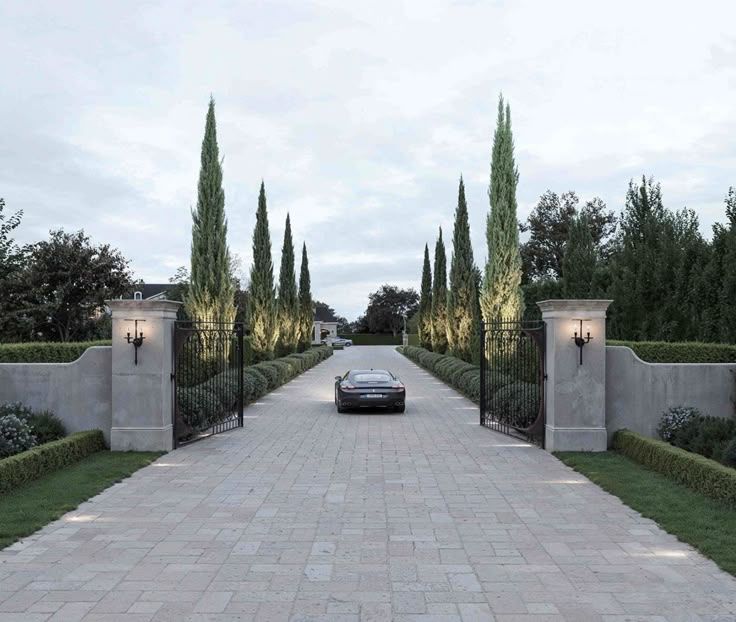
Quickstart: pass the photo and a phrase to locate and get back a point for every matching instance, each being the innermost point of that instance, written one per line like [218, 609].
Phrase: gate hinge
[173, 376]
[545, 376]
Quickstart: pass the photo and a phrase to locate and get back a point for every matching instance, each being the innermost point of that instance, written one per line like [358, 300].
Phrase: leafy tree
[425, 304]
[549, 229]
[389, 307]
[325, 313]
[67, 281]
[180, 285]
[579, 261]
[502, 295]
[262, 316]
[12, 258]
[306, 308]
[651, 272]
[460, 299]
[211, 294]
[439, 298]
[288, 302]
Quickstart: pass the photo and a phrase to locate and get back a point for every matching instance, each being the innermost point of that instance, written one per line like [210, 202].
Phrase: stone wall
[79, 393]
[638, 393]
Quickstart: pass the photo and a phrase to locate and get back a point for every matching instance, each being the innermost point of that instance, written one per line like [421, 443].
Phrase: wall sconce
[580, 341]
[136, 339]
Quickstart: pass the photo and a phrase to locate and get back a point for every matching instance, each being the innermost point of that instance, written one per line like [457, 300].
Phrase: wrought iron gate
[512, 378]
[207, 379]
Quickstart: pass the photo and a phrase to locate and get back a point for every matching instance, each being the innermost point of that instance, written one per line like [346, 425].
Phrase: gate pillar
[575, 394]
[141, 374]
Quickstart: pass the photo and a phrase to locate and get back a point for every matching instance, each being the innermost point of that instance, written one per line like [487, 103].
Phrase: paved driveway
[309, 515]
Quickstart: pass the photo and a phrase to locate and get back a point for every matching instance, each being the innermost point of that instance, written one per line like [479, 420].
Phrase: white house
[323, 330]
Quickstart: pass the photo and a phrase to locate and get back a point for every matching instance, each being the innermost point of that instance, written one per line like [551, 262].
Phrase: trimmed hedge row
[46, 352]
[700, 474]
[195, 403]
[370, 339]
[684, 352]
[32, 464]
[462, 376]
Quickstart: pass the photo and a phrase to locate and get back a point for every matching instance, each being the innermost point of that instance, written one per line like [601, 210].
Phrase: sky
[359, 117]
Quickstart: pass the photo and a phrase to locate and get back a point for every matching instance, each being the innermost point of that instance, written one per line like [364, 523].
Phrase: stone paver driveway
[309, 515]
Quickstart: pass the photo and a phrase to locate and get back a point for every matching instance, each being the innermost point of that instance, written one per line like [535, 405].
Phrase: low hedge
[462, 376]
[32, 464]
[195, 403]
[46, 352]
[700, 474]
[373, 339]
[683, 352]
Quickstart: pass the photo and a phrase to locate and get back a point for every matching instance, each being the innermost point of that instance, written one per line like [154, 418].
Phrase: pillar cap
[144, 306]
[574, 308]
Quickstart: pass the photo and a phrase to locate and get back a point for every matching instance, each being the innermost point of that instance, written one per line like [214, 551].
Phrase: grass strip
[705, 524]
[25, 510]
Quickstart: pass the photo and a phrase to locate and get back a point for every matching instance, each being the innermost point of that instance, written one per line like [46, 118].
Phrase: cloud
[360, 119]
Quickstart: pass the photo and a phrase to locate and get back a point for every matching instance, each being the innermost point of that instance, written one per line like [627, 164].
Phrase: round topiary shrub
[674, 419]
[15, 436]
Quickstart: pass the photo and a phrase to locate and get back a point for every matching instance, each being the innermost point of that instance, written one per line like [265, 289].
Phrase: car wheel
[340, 409]
[400, 409]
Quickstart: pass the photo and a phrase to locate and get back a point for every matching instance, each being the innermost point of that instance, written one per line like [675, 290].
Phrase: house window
[138, 296]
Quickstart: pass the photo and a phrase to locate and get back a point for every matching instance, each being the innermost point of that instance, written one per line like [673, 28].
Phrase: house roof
[149, 290]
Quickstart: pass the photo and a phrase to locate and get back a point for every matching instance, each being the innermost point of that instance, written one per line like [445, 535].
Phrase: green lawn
[703, 523]
[36, 504]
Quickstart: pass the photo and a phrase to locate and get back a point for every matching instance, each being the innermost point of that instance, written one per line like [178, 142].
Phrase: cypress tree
[288, 302]
[211, 295]
[425, 304]
[502, 297]
[306, 305]
[579, 260]
[460, 300]
[262, 310]
[728, 287]
[439, 298]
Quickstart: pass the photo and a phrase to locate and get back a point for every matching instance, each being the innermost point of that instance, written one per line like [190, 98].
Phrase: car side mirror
[338, 378]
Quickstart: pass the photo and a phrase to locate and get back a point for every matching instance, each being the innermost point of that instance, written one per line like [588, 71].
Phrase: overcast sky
[360, 117]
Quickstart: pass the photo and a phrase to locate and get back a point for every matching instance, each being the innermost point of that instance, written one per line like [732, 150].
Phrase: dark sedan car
[364, 388]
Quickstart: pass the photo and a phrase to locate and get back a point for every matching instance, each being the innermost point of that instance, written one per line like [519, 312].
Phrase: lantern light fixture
[580, 341]
[136, 339]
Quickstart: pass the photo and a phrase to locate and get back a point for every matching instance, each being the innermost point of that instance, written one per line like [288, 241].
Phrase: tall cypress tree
[439, 298]
[460, 300]
[288, 302]
[306, 305]
[728, 287]
[502, 296]
[579, 260]
[211, 295]
[425, 304]
[262, 310]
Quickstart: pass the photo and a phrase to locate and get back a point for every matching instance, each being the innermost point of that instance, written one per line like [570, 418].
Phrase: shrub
[46, 427]
[15, 436]
[707, 436]
[698, 473]
[674, 419]
[34, 463]
[259, 383]
[16, 408]
[44, 352]
[271, 374]
[465, 377]
[517, 403]
[684, 352]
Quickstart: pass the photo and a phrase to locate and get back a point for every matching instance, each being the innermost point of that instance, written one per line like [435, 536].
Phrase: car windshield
[371, 377]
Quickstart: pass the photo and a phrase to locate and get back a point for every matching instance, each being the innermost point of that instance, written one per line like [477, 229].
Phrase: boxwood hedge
[698, 473]
[43, 459]
[462, 376]
[684, 352]
[45, 352]
[196, 402]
